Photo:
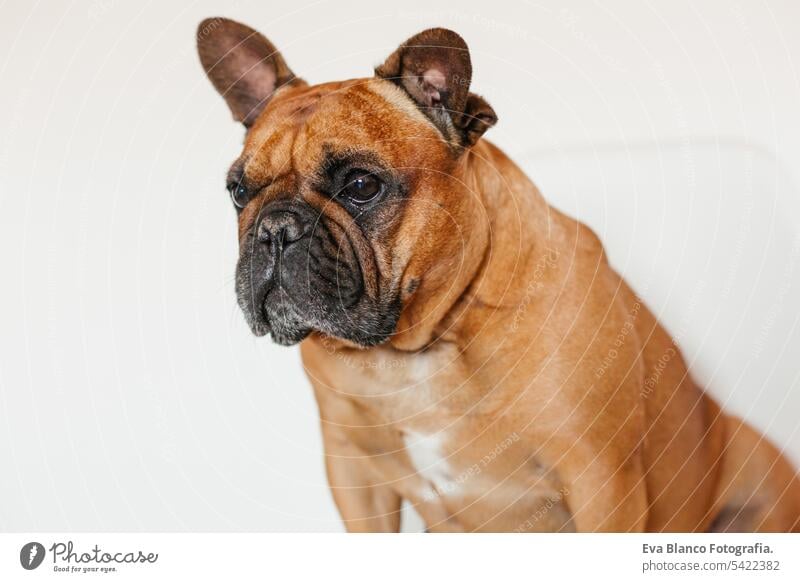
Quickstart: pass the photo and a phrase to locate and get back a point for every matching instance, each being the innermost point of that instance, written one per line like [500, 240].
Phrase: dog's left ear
[435, 69]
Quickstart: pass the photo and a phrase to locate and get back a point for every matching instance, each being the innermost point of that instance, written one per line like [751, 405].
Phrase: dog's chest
[398, 386]
[464, 481]
[428, 459]
[442, 440]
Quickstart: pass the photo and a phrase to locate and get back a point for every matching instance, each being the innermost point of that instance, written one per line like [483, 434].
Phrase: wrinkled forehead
[302, 126]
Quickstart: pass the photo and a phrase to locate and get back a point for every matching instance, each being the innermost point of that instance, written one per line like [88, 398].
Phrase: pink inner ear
[256, 72]
[434, 81]
[265, 81]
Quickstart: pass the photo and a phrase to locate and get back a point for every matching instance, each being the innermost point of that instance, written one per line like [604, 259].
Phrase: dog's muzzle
[297, 272]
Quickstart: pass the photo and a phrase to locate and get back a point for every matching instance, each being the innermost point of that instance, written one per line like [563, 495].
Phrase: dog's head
[347, 194]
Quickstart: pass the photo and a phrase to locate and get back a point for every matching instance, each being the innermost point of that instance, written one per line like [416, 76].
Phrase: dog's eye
[239, 195]
[362, 187]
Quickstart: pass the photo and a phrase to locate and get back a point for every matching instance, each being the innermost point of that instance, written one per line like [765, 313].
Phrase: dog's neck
[509, 213]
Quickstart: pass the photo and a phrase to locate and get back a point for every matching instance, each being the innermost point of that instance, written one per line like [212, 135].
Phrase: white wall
[131, 393]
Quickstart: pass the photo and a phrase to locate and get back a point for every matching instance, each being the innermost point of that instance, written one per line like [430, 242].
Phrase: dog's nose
[281, 227]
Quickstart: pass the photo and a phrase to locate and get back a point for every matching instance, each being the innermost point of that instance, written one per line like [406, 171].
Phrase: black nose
[281, 228]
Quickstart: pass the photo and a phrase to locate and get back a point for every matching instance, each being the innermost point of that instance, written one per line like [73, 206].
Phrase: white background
[132, 396]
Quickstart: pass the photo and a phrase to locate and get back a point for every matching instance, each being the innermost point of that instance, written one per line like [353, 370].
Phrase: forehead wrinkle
[292, 125]
[372, 113]
[297, 151]
[267, 160]
[284, 118]
[334, 125]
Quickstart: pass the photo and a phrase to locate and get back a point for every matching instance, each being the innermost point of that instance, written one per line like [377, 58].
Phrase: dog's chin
[289, 337]
[282, 334]
[288, 325]
[287, 331]
[280, 318]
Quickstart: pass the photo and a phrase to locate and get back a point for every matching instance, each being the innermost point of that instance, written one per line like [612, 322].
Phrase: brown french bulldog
[470, 348]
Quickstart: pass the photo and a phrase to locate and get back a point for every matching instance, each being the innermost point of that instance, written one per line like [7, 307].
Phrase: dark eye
[362, 187]
[239, 195]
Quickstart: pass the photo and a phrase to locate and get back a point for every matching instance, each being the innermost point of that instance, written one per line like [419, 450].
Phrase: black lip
[257, 319]
[282, 319]
[251, 303]
[290, 339]
[260, 328]
[289, 313]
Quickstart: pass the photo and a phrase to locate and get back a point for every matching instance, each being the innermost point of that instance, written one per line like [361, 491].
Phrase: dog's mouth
[281, 318]
[310, 286]
[273, 307]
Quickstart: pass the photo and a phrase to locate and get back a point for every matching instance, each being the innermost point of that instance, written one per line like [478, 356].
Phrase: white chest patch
[426, 455]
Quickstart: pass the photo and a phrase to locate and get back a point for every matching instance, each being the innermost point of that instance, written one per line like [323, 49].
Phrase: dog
[470, 348]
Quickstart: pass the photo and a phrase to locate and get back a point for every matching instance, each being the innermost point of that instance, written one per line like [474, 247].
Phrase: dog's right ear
[244, 66]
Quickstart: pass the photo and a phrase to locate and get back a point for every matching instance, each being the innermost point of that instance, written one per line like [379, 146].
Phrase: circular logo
[31, 555]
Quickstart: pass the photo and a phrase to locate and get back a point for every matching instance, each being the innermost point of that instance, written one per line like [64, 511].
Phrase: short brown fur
[557, 399]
